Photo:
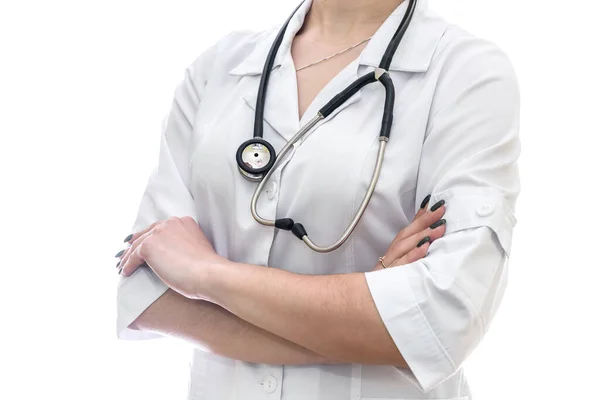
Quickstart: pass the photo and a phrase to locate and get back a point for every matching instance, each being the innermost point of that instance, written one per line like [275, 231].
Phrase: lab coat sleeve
[437, 309]
[167, 194]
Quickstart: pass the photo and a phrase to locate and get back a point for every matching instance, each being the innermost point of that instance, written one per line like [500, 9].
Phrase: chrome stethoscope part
[303, 131]
[363, 205]
[257, 159]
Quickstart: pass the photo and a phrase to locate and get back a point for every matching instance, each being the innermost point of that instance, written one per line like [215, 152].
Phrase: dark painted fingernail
[120, 269]
[128, 238]
[119, 254]
[119, 263]
[425, 201]
[438, 224]
[422, 242]
[437, 205]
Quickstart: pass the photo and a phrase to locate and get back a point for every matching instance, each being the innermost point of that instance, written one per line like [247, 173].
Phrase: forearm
[332, 315]
[213, 328]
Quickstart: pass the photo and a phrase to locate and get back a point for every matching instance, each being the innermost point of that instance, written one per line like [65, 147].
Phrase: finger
[120, 253]
[131, 239]
[423, 208]
[414, 255]
[419, 214]
[433, 232]
[134, 236]
[133, 258]
[134, 262]
[429, 217]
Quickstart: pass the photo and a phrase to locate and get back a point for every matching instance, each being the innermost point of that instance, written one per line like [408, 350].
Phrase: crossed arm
[356, 334]
[247, 321]
[210, 326]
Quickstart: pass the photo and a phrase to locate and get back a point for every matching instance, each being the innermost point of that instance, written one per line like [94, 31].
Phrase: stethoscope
[256, 158]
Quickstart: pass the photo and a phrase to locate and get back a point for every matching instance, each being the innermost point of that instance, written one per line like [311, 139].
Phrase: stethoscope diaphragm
[255, 157]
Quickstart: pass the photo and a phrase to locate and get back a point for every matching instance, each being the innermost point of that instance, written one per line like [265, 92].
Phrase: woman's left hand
[177, 251]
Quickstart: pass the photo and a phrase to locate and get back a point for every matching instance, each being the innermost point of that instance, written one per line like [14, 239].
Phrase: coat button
[272, 190]
[485, 209]
[269, 384]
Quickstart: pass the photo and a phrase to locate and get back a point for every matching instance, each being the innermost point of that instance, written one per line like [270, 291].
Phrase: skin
[294, 305]
[212, 301]
[329, 27]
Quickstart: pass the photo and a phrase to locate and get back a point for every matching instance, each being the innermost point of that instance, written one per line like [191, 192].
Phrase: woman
[278, 320]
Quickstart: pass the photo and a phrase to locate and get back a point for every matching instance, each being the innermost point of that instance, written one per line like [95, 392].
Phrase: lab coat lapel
[281, 103]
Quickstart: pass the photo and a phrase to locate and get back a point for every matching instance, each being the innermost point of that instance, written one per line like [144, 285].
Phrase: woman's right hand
[412, 242]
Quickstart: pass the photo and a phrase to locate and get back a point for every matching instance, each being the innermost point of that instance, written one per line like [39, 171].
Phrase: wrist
[210, 284]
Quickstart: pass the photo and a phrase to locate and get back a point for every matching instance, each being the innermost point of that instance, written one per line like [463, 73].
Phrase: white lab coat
[455, 135]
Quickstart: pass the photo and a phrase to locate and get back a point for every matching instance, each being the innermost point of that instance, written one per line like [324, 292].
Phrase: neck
[338, 19]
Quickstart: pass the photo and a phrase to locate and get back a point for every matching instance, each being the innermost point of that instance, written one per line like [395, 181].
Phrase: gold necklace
[333, 55]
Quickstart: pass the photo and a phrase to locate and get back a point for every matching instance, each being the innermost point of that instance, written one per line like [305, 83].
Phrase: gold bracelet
[381, 260]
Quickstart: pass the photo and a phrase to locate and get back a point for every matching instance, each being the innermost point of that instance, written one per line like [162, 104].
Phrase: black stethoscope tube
[256, 157]
[343, 96]
[266, 74]
[390, 98]
[388, 56]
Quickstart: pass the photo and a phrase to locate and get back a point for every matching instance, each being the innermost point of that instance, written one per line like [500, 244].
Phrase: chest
[317, 66]
[322, 181]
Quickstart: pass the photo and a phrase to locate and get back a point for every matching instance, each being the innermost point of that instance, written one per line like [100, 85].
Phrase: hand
[405, 248]
[177, 251]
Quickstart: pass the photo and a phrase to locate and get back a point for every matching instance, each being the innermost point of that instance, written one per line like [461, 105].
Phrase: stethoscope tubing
[303, 130]
[383, 139]
[380, 74]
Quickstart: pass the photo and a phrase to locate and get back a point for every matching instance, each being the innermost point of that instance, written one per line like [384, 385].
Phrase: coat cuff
[136, 293]
[394, 298]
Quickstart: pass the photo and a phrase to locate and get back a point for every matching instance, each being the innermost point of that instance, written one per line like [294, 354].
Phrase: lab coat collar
[255, 62]
[413, 55]
[416, 50]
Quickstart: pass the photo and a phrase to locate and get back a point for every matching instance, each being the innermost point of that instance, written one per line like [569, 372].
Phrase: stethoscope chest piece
[255, 157]
[257, 160]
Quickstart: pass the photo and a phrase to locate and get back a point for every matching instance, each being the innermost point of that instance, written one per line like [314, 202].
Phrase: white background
[84, 86]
